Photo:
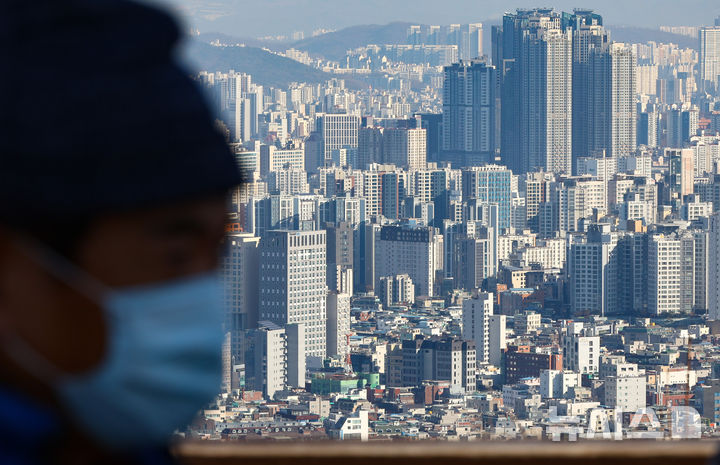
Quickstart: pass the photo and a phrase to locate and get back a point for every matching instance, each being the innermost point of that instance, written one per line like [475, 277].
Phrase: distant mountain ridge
[266, 68]
[333, 45]
[639, 35]
[274, 70]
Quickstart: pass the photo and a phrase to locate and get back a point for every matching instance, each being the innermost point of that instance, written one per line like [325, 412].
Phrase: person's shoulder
[156, 456]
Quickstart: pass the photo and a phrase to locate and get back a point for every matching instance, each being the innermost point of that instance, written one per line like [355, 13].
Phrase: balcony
[438, 453]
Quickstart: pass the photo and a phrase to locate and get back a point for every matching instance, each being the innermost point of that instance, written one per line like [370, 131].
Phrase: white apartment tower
[338, 324]
[274, 359]
[592, 269]
[672, 275]
[498, 339]
[476, 314]
[709, 58]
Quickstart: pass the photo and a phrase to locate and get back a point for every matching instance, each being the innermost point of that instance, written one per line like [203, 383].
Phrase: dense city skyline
[480, 226]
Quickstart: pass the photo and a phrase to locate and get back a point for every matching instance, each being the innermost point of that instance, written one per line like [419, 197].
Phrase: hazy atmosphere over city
[270, 17]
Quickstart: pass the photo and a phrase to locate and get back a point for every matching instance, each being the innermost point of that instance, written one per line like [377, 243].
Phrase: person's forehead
[198, 213]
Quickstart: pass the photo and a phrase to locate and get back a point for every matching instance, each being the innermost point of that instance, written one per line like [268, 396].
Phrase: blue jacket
[31, 433]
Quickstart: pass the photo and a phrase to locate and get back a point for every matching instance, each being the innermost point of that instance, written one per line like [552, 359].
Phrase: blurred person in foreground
[112, 204]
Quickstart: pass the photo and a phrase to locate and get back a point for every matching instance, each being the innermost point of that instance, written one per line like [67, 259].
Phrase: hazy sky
[253, 18]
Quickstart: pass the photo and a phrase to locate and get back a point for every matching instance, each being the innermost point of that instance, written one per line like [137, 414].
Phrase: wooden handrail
[454, 453]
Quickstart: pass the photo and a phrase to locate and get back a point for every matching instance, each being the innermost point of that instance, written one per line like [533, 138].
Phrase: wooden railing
[450, 453]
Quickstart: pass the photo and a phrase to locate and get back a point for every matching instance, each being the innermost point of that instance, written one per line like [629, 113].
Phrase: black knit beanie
[96, 116]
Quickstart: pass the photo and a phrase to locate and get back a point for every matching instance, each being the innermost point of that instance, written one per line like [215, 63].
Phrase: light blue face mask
[162, 361]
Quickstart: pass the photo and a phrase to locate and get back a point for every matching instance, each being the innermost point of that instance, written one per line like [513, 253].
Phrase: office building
[370, 147]
[445, 359]
[521, 362]
[293, 286]
[490, 184]
[274, 159]
[416, 252]
[337, 131]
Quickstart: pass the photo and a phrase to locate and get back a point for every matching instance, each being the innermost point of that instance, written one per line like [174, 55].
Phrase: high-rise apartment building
[681, 125]
[592, 266]
[468, 136]
[275, 358]
[338, 324]
[293, 284]
[713, 285]
[266, 360]
[370, 147]
[590, 40]
[395, 290]
[604, 87]
[647, 129]
[405, 148]
[240, 280]
[476, 314]
[671, 274]
[535, 187]
[467, 38]
[536, 92]
[474, 260]
[709, 58]
[498, 339]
